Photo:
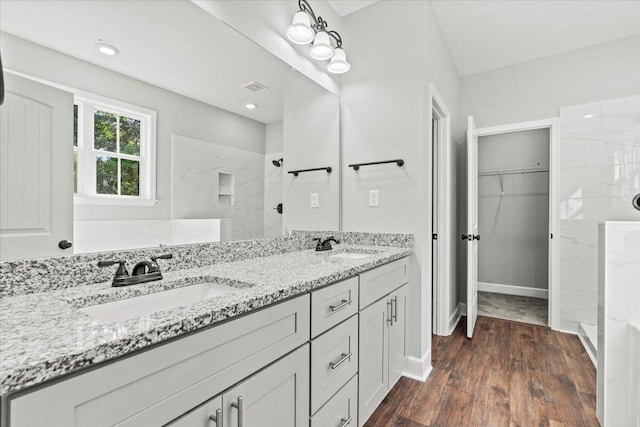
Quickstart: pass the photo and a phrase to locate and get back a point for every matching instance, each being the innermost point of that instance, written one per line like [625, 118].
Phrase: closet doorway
[512, 196]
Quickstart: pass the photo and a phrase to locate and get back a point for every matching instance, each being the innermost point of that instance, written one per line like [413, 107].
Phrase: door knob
[64, 244]
[476, 237]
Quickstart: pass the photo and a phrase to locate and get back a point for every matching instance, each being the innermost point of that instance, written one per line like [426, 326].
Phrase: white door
[36, 169]
[472, 236]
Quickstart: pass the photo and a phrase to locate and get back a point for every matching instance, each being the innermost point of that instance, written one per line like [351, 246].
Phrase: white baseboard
[524, 291]
[418, 368]
[455, 318]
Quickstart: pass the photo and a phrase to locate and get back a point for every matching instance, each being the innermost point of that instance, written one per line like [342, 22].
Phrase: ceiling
[488, 34]
[345, 7]
[171, 44]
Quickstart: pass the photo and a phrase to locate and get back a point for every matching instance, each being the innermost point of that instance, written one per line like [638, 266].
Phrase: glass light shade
[321, 48]
[339, 64]
[300, 32]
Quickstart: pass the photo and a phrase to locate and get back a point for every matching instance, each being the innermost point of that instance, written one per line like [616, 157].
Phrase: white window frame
[86, 185]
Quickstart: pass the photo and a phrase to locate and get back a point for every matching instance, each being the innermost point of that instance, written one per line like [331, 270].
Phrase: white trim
[583, 336]
[445, 228]
[552, 125]
[102, 200]
[455, 318]
[524, 291]
[418, 369]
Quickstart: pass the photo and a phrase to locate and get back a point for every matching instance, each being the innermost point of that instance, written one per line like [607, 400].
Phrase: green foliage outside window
[107, 128]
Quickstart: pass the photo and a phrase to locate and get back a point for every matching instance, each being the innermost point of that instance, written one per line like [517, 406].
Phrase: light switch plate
[315, 200]
[374, 198]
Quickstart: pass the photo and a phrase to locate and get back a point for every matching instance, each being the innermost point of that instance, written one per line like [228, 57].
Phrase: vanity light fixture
[306, 28]
[107, 49]
[251, 106]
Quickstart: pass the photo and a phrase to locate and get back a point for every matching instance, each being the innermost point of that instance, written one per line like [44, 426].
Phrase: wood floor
[509, 374]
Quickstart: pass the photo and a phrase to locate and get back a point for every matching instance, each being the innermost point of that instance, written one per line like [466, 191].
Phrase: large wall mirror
[136, 124]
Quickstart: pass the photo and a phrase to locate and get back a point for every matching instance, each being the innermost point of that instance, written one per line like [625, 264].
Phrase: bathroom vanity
[304, 338]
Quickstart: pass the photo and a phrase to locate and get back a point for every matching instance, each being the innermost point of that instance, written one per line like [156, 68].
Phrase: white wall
[273, 179]
[384, 116]
[266, 22]
[176, 115]
[536, 89]
[513, 210]
[311, 139]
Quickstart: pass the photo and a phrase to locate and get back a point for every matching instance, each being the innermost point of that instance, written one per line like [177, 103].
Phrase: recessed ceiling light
[588, 116]
[107, 49]
[251, 106]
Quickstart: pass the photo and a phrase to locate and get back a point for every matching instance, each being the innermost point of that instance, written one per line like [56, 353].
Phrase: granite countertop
[44, 335]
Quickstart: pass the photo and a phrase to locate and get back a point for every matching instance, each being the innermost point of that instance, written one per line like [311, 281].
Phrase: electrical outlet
[374, 198]
[315, 200]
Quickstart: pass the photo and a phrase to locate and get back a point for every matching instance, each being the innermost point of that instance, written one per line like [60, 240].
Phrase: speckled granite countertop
[44, 335]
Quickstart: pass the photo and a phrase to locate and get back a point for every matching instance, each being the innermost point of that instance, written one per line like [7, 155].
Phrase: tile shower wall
[197, 190]
[618, 319]
[272, 195]
[599, 172]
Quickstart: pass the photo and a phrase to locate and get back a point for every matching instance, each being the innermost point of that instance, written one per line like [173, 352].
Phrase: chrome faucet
[325, 245]
[144, 271]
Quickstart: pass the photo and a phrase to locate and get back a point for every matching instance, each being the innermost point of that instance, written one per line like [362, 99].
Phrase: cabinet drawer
[334, 360]
[341, 410]
[333, 304]
[376, 283]
[158, 385]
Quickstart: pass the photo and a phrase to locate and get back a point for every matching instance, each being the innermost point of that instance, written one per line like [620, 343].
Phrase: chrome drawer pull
[240, 407]
[346, 422]
[345, 357]
[217, 418]
[343, 304]
[390, 312]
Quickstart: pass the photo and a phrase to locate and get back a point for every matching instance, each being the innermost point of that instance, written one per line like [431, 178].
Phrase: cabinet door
[277, 396]
[398, 334]
[201, 416]
[373, 369]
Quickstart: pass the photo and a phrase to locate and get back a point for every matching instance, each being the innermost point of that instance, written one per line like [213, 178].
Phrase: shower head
[277, 163]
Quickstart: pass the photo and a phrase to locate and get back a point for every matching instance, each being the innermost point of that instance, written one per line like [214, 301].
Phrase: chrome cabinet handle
[394, 309]
[343, 304]
[217, 418]
[240, 407]
[346, 421]
[345, 357]
[390, 313]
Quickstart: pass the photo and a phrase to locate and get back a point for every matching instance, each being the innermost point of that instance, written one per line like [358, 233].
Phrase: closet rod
[513, 171]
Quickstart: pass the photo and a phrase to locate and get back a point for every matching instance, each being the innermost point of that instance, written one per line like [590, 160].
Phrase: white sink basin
[351, 255]
[118, 311]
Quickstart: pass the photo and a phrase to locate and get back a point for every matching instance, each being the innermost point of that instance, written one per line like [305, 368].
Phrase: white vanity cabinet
[383, 333]
[277, 396]
[159, 385]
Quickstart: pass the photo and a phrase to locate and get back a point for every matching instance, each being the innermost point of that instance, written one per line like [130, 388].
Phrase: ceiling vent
[254, 86]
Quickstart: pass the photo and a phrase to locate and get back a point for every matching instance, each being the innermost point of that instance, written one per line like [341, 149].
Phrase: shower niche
[225, 188]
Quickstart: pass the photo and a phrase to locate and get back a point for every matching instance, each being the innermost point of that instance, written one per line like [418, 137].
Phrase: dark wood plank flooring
[509, 374]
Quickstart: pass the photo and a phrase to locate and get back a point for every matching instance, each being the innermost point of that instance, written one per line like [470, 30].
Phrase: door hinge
[435, 236]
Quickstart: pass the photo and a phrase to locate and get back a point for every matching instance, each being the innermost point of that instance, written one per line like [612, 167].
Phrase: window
[114, 152]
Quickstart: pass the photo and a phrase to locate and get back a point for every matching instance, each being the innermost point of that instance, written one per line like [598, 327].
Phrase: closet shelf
[513, 171]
